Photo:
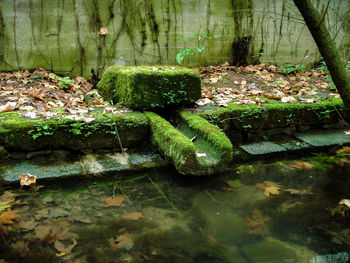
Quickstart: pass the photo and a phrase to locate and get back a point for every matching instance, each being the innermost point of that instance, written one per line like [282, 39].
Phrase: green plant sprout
[190, 51]
[290, 68]
[64, 82]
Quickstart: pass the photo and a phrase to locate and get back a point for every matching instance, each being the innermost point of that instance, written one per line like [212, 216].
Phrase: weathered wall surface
[62, 35]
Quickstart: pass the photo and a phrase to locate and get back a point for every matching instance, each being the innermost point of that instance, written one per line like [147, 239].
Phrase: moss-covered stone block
[22, 134]
[210, 133]
[150, 87]
[174, 146]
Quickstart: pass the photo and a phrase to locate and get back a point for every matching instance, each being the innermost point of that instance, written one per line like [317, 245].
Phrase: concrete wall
[63, 35]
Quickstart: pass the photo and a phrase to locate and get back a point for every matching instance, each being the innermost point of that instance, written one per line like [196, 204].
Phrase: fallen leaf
[116, 201]
[123, 241]
[42, 231]
[345, 149]
[269, 188]
[27, 179]
[7, 217]
[4, 206]
[257, 223]
[103, 31]
[293, 191]
[234, 184]
[22, 248]
[133, 216]
[345, 202]
[303, 165]
[63, 249]
[27, 225]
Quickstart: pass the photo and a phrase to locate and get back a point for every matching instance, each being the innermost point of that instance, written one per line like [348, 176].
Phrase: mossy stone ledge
[150, 87]
[23, 134]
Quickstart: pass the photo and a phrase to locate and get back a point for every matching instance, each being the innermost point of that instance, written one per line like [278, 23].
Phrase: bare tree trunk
[327, 48]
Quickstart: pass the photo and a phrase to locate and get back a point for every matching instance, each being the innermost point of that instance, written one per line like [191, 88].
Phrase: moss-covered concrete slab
[150, 87]
[321, 138]
[86, 165]
[106, 131]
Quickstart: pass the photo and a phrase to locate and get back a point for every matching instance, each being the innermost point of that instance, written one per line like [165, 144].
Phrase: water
[260, 212]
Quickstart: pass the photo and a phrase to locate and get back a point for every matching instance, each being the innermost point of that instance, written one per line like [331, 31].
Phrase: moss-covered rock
[22, 134]
[147, 87]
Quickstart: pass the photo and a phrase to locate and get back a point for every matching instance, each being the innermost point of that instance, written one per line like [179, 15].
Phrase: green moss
[172, 143]
[18, 133]
[274, 115]
[211, 133]
[145, 88]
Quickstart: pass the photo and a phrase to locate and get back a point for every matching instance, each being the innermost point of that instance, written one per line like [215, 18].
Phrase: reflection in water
[255, 213]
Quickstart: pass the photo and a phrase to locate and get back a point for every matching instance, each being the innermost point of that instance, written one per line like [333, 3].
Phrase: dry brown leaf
[63, 249]
[27, 179]
[133, 216]
[7, 217]
[303, 165]
[116, 201]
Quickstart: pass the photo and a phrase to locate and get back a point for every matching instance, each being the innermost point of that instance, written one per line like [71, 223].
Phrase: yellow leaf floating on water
[269, 188]
[122, 241]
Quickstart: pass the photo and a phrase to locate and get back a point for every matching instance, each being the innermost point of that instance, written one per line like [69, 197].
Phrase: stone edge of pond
[86, 166]
[291, 122]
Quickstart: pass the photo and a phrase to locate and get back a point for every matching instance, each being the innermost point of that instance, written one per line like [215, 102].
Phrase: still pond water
[281, 211]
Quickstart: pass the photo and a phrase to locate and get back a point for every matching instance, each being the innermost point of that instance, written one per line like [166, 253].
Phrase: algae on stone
[147, 87]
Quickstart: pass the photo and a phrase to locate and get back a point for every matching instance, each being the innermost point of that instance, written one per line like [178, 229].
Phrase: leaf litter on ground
[40, 94]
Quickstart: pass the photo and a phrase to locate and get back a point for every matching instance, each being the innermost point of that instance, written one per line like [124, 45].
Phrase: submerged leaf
[345, 202]
[63, 249]
[303, 165]
[133, 216]
[7, 217]
[115, 201]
